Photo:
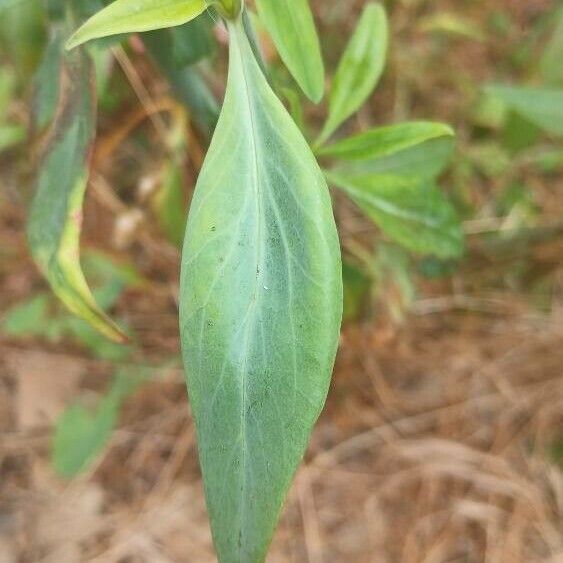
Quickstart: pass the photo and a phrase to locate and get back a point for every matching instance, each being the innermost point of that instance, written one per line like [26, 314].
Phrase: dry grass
[433, 448]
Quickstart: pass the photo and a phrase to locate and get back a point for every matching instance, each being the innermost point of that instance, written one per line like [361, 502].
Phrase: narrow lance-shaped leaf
[543, 107]
[417, 216]
[260, 308]
[291, 25]
[384, 141]
[128, 16]
[359, 69]
[56, 212]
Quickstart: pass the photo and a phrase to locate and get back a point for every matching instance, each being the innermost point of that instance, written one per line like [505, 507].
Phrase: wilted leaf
[291, 25]
[55, 216]
[415, 215]
[260, 307]
[128, 16]
[541, 106]
[385, 141]
[359, 69]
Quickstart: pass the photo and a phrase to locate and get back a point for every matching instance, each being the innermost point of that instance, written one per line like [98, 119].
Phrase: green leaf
[260, 308]
[359, 70]
[291, 25]
[543, 107]
[28, 318]
[185, 44]
[385, 141]
[11, 135]
[129, 16]
[82, 435]
[55, 216]
[425, 161]
[356, 290]
[46, 81]
[417, 216]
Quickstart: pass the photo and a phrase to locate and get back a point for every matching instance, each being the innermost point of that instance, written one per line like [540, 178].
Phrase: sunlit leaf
[291, 25]
[55, 217]
[128, 16]
[543, 107]
[385, 141]
[359, 69]
[260, 308]
[417, 216]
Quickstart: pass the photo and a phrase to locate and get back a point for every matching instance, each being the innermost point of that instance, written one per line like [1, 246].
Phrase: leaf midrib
[257, 268]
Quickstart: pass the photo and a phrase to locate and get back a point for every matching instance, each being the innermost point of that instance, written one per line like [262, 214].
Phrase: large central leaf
[261, 304]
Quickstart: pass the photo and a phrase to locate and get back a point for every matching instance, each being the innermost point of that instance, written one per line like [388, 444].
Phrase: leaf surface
[129, 16]
[415, 215]
[543, 107]
[385, 141]
[291, 25]
[260, 308]
[424, 161]
[359, 69]
[55, 216]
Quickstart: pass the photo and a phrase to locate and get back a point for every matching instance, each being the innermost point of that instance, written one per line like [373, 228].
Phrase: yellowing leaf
[55, 216]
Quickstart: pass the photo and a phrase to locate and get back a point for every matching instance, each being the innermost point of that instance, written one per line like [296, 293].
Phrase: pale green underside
[260, 311]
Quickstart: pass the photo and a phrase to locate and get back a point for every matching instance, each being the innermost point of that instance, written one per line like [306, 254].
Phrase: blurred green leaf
[541, 106]
[11, 135]
[129, 16]
[22, 36]
[518, 132]
[359, 69]
[81, 435]
[186, 44]
[292, 28]
[356, 290]
[417, 216]
[385, 141]
[46, 81]
[170, 203]
[425, 161]
[27, 318]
